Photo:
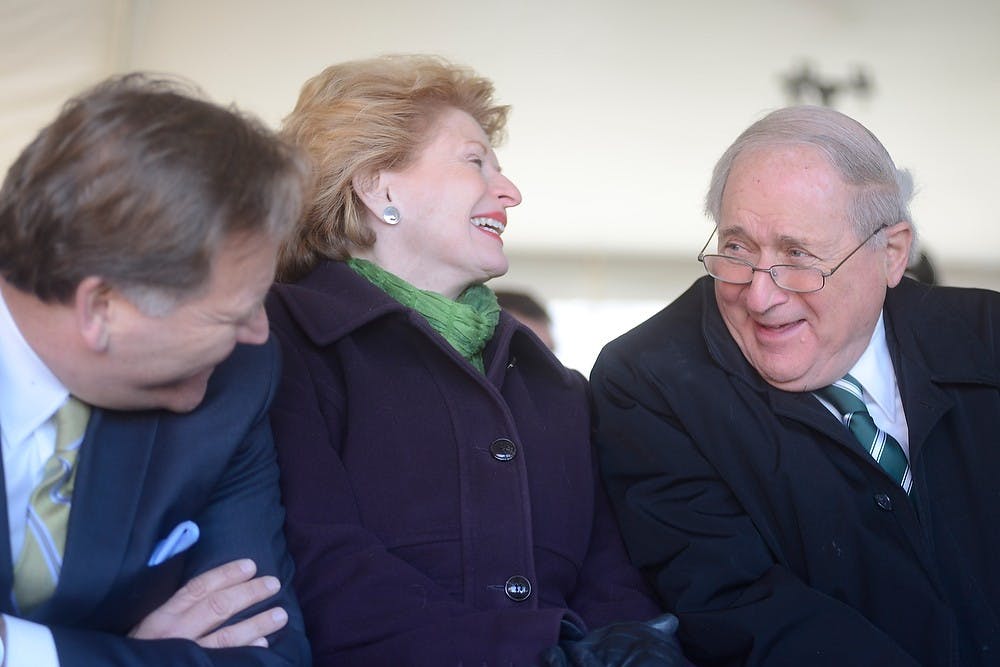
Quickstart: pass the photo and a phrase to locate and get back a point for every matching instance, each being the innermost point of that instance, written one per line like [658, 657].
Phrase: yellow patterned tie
[37, 569]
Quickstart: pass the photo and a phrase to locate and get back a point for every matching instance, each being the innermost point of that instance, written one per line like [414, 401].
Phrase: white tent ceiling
[620, 109]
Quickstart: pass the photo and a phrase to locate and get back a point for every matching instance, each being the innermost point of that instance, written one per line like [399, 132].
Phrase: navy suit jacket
[773, 535]
[139, 475]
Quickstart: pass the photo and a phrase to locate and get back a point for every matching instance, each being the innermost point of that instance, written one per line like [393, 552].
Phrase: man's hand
[209, 600]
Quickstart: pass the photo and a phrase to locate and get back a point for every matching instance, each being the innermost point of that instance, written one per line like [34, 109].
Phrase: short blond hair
[357, 118]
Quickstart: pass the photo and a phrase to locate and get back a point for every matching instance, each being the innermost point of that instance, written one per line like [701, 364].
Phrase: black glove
[651, 643]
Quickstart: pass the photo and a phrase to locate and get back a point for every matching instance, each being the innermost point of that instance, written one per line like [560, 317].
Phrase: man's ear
[92, 303]
[899, 238]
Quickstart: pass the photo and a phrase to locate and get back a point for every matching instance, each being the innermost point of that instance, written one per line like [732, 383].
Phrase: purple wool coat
[436, 516]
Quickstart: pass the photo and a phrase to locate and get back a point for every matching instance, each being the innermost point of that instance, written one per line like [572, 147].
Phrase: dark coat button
[883, 501]
[517, 588]
[503, 449]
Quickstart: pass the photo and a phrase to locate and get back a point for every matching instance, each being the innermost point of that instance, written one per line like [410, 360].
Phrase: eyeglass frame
[770, 269]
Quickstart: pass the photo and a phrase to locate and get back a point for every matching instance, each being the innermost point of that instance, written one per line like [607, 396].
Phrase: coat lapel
[113, 462]
[806, 409]
[929, 351]
[925, 403]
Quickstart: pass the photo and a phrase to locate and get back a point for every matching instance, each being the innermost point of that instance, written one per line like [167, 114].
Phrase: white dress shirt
[29, 397]
[881, 391]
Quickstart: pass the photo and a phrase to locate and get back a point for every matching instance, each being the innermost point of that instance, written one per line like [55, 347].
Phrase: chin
[186, 395]
[184, 402]
[498, 269]
[187, 403]
[788, 379]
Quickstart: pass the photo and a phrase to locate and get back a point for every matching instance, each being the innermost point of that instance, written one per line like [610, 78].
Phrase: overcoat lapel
[938, 350]
[806, 408]
[925, 403]
[113, 462]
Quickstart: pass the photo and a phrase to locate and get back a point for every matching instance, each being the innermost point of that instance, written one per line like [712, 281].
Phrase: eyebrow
[783, 240]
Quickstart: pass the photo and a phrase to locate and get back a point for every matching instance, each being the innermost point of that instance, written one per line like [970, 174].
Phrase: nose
[506, 191]
[255, 330]
[762, 293]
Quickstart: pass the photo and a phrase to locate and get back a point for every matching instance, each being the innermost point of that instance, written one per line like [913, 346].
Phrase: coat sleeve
[242, 519]
[364, 605]
[611, 589]
[737, 604]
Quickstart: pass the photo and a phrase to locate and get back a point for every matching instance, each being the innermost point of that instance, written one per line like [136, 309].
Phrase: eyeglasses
[789, 277]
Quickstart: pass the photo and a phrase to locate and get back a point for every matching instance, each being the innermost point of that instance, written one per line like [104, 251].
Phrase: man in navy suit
[138, 237]
[804, 448]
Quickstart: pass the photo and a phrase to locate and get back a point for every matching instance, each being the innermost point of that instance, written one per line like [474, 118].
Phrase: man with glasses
[804, 448]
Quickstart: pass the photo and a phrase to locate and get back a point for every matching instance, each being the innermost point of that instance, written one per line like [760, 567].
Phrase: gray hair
[883, 192]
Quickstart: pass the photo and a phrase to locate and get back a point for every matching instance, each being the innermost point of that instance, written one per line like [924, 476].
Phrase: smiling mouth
[490, 225]
[777, 328]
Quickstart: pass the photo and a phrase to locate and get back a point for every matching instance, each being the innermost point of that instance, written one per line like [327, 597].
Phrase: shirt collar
[874, 370]
[31, 393]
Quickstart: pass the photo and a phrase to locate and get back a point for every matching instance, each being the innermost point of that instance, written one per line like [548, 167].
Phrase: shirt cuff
[29, 644]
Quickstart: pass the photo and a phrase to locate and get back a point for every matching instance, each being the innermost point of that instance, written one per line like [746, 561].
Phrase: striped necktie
[37, 570]
[845, 396]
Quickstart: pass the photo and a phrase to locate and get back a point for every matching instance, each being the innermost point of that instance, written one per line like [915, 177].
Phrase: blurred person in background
[922, 269]
[530, 312]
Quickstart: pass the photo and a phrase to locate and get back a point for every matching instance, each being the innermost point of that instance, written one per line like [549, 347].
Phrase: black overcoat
[768, 530]
[437, 516]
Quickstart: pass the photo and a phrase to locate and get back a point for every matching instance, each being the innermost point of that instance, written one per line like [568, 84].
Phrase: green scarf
[466, 323]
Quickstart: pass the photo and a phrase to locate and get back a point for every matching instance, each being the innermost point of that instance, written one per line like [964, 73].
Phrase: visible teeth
[490, 223]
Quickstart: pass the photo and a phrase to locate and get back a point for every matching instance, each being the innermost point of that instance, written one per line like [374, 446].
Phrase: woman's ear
[372, 192]
[92, 310]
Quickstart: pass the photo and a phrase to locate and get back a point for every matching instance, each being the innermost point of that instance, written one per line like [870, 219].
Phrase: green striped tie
[845, 396]
[37, 569]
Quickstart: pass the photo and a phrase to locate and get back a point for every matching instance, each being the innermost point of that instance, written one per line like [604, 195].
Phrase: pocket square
[180, 539]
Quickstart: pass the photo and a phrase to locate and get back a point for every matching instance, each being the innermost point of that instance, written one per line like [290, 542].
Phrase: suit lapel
[113, 462]
[6, 560]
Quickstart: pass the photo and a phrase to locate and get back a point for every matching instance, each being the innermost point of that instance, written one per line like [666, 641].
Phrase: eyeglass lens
[795, 278]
